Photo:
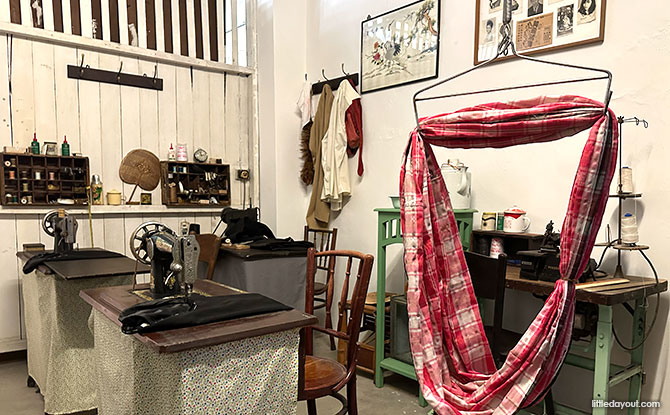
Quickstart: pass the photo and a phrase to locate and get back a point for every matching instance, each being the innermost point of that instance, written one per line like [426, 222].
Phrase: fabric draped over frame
[452, 357]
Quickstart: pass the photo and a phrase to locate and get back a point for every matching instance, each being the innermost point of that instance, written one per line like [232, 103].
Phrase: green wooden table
[389, 233]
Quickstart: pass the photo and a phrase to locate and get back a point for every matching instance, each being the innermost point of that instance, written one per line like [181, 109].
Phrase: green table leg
[635, 386]
[380, 318]
[601, 375]
[422, 400]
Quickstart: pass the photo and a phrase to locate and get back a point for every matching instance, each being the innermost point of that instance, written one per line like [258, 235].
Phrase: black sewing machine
[173, 259]
[63, 228]
[543, 264]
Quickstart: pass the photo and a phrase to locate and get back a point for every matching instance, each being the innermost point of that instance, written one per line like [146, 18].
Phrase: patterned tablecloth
[254, 376]
[60, 342]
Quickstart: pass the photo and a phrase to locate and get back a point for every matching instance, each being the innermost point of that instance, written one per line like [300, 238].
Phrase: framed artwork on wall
[539, 25]
[400, 46]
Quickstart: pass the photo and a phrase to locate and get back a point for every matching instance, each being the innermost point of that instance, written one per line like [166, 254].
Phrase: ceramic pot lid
[515, 210]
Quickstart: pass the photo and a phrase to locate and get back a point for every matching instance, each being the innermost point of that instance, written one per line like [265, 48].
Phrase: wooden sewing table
[231, 366]
[606, 374]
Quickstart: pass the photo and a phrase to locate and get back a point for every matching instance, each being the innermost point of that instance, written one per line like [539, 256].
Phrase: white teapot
[459, 183]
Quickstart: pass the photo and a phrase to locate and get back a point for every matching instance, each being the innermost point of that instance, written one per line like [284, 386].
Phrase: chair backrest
[323, 240]
[488, 280]
[210, 245]
[361, 276]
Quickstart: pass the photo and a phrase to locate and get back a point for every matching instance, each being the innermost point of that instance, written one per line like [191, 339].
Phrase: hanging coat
[305, 107]
[318, 212]
[334, 149]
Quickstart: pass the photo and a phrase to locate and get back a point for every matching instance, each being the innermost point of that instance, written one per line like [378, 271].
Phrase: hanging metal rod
[507, 88]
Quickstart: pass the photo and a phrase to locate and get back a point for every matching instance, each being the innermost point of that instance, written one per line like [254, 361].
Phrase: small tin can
[145, 199]
[489, 221]
[500, 224]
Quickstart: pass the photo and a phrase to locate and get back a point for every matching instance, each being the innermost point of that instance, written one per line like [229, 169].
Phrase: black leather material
[174, 313]
[50, 256]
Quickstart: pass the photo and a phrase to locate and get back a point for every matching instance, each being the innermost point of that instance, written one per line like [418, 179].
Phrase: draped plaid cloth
[452, 357]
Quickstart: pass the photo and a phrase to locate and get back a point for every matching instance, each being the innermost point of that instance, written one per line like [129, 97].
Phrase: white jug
[459, 181]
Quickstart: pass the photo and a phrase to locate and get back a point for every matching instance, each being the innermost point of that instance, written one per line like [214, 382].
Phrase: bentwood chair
[210, 245]
[488, 280]
[326, 377]
[323, 240]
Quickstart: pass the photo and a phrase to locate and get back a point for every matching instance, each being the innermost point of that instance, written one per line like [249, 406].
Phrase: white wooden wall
[145, 23]
[208, 105]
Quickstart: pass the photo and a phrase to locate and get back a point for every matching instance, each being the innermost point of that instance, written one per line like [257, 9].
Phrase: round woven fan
[142, 168]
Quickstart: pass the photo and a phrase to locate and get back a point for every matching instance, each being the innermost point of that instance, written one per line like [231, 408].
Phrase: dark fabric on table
[285, 244]
[50, 256]
[174, 313]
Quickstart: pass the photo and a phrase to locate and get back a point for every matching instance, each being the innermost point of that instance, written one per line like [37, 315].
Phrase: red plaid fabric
[452, 357]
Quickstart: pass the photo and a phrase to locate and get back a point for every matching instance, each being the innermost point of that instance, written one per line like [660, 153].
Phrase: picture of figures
[495, 5]
[564, 20]
[488, 34]
[535, 7]
[400, 46]
[586, 13]
[538, 25]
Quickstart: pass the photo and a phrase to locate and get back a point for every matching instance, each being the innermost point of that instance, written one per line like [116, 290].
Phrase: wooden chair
[210, 245]
[323, 240]
[326, 377]
[488, 280]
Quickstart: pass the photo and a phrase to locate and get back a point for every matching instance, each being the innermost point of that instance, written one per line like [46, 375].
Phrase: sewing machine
[63, 228]
[173, 258]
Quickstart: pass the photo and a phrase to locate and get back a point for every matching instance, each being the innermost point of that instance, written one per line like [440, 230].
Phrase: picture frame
[401, 46]
[539, 26]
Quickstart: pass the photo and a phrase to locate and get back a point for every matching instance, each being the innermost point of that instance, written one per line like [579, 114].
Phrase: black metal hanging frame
[333, 83]
[87, 73]
[503, 48]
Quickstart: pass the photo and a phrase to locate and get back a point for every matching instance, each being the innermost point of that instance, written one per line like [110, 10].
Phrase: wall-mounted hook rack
[87, 73]
[334, 83]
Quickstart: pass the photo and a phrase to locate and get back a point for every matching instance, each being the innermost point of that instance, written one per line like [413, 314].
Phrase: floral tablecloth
[258, 375]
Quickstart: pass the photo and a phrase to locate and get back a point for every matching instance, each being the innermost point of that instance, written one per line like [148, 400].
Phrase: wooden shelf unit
[71, 179]
[193, 177]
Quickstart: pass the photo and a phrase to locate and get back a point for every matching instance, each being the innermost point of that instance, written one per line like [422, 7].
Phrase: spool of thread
[629, 234]
[12, 174]
[52, 175]
[626, 180]
[38, 175]
[24, 187]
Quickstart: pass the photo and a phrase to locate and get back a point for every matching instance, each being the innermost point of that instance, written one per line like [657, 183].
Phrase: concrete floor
[398, 396]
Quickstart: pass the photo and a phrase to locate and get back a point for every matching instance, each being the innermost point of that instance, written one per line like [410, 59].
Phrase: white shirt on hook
[334, 149]
[305, 104]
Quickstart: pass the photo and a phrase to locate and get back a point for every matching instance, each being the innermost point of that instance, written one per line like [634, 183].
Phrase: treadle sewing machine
[173, 259]
[63, 228]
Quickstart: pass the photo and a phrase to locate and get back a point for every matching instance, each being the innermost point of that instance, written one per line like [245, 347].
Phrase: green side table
[388, 233]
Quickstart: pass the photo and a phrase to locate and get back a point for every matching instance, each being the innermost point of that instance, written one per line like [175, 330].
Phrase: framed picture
[539, 25]
[400, 46]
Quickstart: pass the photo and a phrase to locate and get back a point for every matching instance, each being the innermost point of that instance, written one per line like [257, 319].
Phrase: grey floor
[398, 396]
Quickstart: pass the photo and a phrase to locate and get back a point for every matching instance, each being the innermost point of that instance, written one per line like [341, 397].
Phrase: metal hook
[118, 75]
[324, 75]
[155, 72]
[305, 76]
[343, 71]
[81, 65]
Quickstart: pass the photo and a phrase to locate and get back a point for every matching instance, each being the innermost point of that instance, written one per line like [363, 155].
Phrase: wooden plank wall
[206, 108]
[193, 28]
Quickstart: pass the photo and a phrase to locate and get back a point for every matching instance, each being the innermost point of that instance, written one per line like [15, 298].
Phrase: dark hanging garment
[174, 313]
[353, 119]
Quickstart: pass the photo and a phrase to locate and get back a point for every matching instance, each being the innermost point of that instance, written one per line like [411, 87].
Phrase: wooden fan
[141, 168]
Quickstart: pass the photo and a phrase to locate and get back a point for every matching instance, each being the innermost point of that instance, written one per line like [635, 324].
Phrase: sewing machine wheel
[138, 239]
[47, 222]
